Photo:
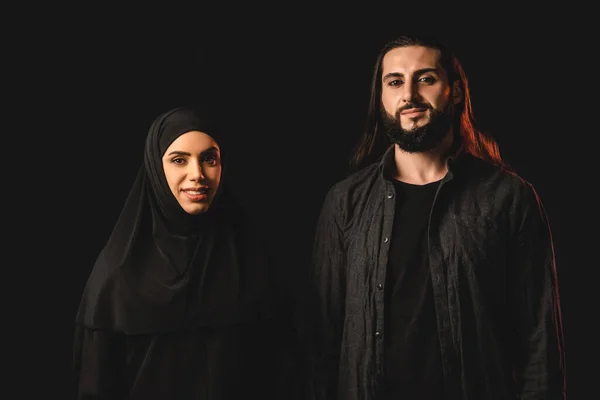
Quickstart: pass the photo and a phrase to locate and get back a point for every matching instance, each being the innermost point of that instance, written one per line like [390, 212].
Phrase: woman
[181, 301]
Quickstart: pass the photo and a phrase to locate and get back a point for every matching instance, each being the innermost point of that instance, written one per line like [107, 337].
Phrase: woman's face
[192, 165]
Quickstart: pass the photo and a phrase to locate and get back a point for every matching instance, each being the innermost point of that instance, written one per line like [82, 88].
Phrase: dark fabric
[181, 306]
[413, 368]
[142, 281]
[228, 362]
[494, 285]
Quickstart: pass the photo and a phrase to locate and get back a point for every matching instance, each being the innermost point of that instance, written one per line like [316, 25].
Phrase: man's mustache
[411, 105]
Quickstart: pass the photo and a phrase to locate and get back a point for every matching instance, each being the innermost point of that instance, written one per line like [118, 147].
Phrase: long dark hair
[374, 142]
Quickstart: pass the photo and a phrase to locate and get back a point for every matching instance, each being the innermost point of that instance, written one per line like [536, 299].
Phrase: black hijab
[164, 270]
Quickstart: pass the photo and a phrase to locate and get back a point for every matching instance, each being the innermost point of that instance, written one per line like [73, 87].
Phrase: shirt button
[379, 286]
[378, 335]
[390, 195]
[386, 239]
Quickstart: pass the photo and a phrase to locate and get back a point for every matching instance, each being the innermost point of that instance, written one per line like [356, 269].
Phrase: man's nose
[409, 93]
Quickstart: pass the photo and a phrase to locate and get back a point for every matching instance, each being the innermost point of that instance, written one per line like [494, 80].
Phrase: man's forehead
[410, 58]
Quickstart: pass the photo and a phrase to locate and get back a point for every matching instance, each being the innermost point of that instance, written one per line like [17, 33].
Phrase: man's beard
[422, 138]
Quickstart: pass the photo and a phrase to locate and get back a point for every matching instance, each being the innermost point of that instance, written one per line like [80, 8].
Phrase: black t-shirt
[412, 355]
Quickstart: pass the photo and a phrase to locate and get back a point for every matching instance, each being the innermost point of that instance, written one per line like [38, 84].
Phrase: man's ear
[457, 93]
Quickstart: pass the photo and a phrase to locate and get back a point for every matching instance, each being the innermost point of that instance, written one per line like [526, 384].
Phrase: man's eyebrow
[417, 72]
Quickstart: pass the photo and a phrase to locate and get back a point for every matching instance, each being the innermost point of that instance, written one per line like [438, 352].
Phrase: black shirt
[493, 281]
[413, 367]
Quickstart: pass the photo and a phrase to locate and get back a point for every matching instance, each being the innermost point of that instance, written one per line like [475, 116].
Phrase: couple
[432, 273]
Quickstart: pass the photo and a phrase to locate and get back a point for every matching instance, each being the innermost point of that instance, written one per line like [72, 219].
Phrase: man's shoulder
[357, 181]
[485, 171]
[500, 181]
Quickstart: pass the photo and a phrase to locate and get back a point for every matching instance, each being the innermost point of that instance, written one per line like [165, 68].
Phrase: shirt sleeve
[539, 369]
[328, 283]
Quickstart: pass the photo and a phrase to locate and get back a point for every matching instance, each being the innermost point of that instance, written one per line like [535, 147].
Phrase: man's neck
[424, 167]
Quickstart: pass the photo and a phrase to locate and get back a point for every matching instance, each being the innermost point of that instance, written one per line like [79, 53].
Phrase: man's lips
[413, 111]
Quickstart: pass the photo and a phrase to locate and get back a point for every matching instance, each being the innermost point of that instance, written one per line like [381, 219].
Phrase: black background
[295, 87]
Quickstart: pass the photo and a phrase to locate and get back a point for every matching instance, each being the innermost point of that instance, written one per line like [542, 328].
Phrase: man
[433, 261]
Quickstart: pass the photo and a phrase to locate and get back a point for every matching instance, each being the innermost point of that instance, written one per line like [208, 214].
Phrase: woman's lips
[196, 195]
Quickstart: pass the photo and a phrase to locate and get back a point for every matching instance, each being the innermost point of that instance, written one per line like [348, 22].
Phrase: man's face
[416, 98]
